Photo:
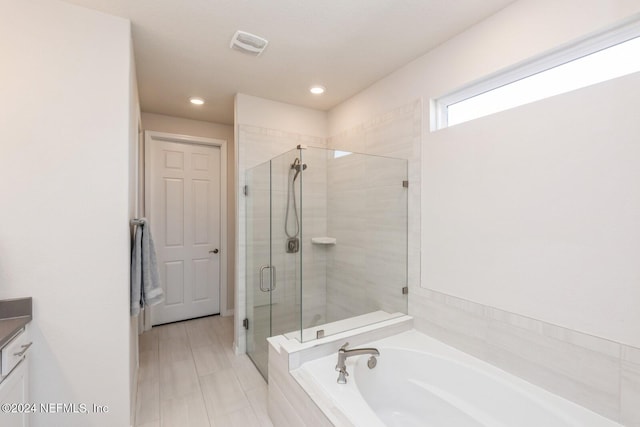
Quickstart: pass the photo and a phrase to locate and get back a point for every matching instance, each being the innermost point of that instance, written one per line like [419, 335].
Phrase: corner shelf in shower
[323, 240]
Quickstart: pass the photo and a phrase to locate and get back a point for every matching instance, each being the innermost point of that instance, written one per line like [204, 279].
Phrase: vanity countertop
[14, 315]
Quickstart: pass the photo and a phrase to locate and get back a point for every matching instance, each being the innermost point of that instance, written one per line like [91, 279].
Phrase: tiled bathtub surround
[630, 387]
[599, 374]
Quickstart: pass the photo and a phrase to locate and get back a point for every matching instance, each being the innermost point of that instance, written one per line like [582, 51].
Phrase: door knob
[215, 251]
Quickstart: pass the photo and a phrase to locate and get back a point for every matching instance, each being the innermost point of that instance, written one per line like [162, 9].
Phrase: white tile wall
[375, 219]
[596, 373]
[630, 387]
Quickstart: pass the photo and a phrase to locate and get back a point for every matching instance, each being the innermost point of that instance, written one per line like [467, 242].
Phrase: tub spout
[343, 354]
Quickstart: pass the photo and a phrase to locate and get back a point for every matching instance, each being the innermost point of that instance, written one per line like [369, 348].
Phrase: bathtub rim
[580, 415]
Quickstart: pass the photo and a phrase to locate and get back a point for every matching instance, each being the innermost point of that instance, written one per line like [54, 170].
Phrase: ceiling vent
[248, 43]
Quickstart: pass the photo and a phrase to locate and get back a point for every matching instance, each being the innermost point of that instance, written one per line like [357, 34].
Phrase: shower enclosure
[326, 239]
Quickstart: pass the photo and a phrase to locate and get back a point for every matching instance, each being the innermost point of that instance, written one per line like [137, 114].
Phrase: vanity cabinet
[14, 388]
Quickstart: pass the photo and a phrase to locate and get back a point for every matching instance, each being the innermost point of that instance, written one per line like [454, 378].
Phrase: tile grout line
[620, 384]
[209, 418]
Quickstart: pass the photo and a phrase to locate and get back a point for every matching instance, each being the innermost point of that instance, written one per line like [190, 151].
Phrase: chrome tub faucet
[343, 354]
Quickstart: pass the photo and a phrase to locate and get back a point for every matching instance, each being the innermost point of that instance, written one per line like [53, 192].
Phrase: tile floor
[190, 377]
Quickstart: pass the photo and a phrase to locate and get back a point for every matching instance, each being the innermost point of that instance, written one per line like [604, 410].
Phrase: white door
[183, 210]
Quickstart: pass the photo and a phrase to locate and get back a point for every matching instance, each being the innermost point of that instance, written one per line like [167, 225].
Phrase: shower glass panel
[354, 257]
[286, 246]
[258, 274]
[326, 245]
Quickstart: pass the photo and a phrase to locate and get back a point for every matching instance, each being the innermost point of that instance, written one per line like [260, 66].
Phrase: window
[597, 59]
[337, 153]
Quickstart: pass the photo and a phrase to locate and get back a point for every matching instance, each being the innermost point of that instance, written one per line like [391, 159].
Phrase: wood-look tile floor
[190, 377]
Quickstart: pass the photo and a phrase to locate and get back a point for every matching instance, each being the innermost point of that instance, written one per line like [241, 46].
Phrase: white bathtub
[419, 381]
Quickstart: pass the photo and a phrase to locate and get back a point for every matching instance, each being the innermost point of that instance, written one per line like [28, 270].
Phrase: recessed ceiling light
[317, 89]
[196, 101]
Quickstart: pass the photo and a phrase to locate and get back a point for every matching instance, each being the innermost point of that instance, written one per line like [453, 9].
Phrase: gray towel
[145, 279]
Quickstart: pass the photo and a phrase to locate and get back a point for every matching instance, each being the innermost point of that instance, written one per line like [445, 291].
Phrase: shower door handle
[272, 271]
[262, 278]
[273, 281]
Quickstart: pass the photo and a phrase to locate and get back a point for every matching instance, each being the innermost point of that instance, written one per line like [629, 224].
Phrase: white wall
[180, 126]
[64, 232]
[522, 30]
[134, 212]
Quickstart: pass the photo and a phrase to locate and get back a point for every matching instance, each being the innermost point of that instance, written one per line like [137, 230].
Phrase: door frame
[149, 138]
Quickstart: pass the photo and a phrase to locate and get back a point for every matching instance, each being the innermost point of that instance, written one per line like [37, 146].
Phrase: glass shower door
[273, 273]
[259, 273]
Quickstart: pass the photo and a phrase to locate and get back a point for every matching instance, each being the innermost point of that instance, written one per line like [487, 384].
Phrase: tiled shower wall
[336, 278]
[367, 214]
[375, 220]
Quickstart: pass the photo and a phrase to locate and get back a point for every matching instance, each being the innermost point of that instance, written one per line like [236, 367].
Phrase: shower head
[298, 167]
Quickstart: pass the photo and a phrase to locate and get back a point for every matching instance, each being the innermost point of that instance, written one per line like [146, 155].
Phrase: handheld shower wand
[293, 241]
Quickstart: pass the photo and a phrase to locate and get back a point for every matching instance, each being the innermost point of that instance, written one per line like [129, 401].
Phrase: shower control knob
[215, 251]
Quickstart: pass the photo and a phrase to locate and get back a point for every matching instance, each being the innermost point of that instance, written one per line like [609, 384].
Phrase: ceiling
[182, 47]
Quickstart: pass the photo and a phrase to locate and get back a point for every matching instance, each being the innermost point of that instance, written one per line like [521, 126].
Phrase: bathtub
[419, 381]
